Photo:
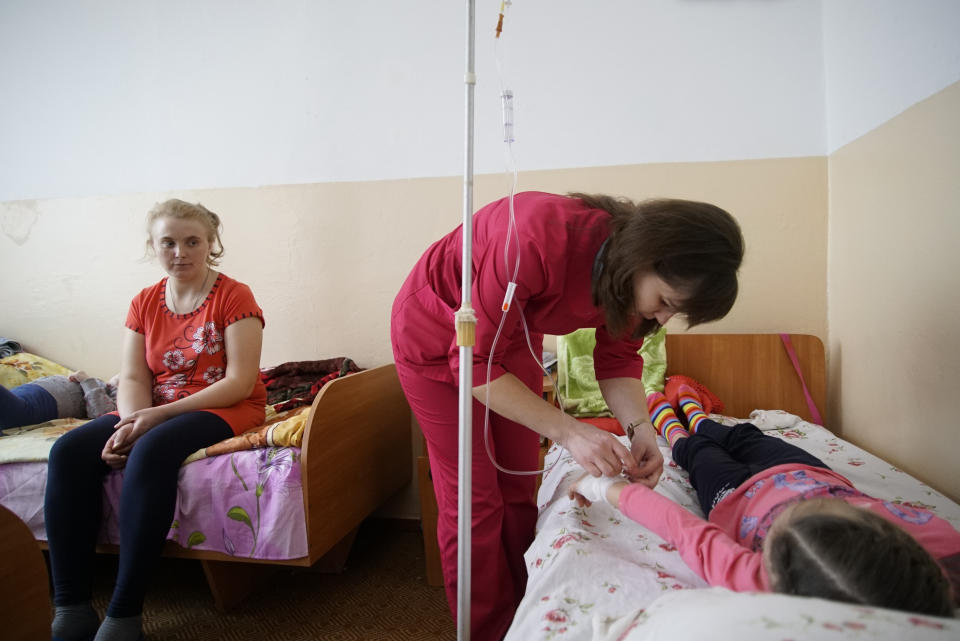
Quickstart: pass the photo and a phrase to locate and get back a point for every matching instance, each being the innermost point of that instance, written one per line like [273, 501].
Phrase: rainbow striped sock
[664, 418]
[689, 402]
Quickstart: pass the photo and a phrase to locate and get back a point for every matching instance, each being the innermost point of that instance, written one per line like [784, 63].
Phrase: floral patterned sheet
[246, 504]
[595, 574]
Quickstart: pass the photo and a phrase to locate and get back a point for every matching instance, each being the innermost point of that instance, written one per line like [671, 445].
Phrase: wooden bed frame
[746, 371]
[752, 371]
[356, 454]
[25, 607]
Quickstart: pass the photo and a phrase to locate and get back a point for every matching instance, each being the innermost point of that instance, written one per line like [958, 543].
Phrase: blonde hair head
[176, 208]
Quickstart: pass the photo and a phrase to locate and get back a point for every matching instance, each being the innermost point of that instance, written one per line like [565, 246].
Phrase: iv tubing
[506, 97]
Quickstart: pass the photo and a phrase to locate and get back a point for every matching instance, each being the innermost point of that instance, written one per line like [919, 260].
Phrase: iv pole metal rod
[466, 327]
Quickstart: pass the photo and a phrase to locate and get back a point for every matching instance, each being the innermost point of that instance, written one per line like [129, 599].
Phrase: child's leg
[744, 442]
[26, 404]
[664, 419]
[759, 452]
[713, 472]
[688, 402]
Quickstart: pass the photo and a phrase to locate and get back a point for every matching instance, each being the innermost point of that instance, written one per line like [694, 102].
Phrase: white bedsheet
[592, 567]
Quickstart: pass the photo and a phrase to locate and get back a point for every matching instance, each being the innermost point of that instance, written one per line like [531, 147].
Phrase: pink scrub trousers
[504, 511]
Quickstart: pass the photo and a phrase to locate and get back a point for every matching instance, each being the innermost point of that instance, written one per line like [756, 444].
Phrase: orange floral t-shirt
[186, 352]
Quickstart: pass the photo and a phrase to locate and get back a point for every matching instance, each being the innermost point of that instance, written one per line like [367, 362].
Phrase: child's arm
[704, 547]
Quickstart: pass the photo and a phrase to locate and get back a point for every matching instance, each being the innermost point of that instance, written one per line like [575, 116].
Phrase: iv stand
[466, 322]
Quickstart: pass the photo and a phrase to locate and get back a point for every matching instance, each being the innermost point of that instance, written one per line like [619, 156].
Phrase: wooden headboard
[752, 371]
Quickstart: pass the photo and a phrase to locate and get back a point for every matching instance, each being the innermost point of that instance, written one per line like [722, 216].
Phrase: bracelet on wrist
[631, 429]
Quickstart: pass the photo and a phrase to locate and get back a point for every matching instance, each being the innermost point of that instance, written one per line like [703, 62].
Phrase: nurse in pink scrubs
[623, 268]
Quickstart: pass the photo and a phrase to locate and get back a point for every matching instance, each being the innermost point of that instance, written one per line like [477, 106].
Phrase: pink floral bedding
[595, 574]
[245, 504]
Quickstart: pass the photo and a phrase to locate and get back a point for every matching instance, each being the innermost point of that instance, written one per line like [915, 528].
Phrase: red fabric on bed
[611, 425]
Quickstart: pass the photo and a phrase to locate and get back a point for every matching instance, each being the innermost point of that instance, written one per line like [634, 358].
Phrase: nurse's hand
[647, 454]
[600, 453]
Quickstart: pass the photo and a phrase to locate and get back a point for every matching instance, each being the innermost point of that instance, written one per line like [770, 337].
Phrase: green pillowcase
[577, 381]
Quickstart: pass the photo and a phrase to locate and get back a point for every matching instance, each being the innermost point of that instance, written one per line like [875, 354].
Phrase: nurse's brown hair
[695, 247]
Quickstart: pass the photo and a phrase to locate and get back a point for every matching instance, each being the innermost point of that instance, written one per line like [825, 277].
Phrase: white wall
[893, 77]
[105, 97]
[882, 56]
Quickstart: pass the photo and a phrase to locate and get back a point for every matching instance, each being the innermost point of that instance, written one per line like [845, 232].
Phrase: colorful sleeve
[615, 358]
[239, 303]
[704, 547]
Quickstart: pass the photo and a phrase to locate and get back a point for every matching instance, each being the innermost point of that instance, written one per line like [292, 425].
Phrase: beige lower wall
[894, 309]
[325, 260]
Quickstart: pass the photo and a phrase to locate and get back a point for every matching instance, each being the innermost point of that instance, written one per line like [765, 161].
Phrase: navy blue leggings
[74, 500]
[26, 404]
[719, 458]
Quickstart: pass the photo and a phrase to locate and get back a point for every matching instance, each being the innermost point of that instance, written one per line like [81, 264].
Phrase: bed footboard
[357, 453]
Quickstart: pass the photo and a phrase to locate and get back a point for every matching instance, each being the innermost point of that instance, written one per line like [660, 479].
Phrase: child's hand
[588, 489]
[574, 492]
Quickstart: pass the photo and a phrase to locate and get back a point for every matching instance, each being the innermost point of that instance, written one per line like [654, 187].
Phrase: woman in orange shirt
[189, 378]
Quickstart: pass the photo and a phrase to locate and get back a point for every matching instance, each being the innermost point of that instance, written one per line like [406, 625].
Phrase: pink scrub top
[559, 238]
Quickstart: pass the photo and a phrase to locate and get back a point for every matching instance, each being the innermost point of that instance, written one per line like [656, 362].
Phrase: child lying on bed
[780, 520]
[52, 397]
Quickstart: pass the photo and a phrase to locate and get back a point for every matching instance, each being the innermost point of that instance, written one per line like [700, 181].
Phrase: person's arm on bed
[704, 547]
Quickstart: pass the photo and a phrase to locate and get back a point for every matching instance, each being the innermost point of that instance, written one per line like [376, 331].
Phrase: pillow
[654, 353]
[719, 614]
[577, 382]
[25, 367]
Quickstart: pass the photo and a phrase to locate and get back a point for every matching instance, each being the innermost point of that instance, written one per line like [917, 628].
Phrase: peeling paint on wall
[17, 219]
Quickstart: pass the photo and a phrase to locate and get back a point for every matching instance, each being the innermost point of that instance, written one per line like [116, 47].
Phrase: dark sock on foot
[74, 622]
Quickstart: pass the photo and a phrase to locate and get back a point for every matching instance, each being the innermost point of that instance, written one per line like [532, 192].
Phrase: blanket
[32, 443]
[297, 383]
